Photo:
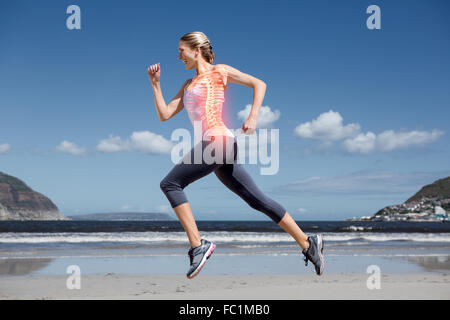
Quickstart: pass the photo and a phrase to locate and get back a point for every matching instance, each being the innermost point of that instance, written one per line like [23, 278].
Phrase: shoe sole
[202, 263]
[320, 243]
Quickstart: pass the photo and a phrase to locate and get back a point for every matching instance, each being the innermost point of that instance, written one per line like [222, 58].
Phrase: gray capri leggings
[228, 170]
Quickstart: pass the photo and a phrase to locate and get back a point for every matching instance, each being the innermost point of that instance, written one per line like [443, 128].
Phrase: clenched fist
[154, 72]
[249, 126]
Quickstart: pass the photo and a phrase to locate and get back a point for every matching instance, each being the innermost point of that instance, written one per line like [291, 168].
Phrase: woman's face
[186, 55]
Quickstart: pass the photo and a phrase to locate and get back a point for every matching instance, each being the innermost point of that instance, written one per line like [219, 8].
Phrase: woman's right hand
[154, 72]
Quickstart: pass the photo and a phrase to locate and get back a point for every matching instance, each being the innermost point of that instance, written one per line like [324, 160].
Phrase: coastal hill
[19, 202]
[431, 203]
[439, 188]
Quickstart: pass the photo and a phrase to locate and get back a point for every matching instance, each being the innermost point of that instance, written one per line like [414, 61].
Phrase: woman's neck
[204, 69]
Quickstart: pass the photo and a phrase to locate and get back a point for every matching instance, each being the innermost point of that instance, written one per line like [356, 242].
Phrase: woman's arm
[165, 112]
[259, 90]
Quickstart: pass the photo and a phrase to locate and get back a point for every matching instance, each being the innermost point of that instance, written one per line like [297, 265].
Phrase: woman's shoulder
[221, 67]
[223, 71]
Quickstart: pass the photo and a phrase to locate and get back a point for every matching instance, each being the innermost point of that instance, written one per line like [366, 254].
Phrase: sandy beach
[240, 287]
[256, 264]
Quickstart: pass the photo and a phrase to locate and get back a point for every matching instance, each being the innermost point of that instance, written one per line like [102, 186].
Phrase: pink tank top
[203, 99]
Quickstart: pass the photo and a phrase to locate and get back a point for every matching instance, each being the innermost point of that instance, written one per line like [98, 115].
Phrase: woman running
[203, 98]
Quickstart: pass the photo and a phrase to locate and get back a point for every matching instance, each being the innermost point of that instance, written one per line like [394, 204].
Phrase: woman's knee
[255, 204]
[167, 185]
[163, 183]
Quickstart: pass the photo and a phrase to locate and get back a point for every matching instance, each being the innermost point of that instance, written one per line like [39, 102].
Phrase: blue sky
[363, 115]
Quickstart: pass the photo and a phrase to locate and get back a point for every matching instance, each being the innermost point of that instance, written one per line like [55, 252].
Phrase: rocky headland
[431, 203]
[19, 202]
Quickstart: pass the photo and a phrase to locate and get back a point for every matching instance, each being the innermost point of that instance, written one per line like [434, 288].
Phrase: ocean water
[160, 247]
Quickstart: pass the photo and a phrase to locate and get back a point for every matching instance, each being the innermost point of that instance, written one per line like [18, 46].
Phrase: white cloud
[164, 208]
[265, 116]
[389, 140]
[149, 142]
[302, 210]
[362, 143]
[4, 148]
[113, 144]
[327, 127]
[71, 148]
[142, 141]
[126, 207]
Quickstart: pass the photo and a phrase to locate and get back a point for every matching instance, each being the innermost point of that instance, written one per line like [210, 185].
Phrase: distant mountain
[123, 216]
[19, 202]
[438, 189]
[431, 203]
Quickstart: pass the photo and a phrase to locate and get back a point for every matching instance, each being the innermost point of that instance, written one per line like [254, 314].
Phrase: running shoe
[198, 256]
[315, 253]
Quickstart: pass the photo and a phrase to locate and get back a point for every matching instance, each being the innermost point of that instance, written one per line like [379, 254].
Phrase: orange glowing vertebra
[203, 99]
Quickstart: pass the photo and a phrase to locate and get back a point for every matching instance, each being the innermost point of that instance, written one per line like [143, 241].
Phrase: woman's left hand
[249, 126]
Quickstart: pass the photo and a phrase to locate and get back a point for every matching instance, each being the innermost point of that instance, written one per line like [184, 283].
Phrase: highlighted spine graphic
[204, 100]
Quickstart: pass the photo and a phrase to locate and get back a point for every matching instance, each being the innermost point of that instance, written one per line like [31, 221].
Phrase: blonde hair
[199, 39]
